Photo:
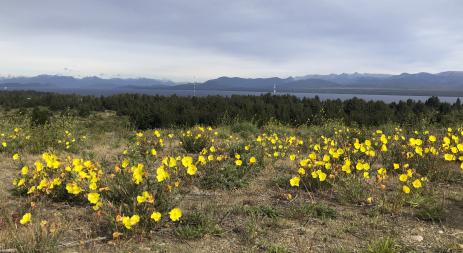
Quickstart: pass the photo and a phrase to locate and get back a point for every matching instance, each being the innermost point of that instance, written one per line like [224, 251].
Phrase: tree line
[147, 111]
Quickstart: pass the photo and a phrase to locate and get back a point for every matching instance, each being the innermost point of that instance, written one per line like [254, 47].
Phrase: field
[96, 184]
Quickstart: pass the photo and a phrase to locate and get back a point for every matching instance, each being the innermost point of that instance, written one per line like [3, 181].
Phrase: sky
[185, 40]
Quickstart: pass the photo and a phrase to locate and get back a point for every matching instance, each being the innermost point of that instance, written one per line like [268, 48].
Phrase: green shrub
[245, 129]
[192, 144]
[350, 189]
[40, 116]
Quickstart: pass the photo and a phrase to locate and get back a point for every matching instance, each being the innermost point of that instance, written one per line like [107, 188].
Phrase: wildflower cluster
[142, 187]
[380, 159]
[13, 140]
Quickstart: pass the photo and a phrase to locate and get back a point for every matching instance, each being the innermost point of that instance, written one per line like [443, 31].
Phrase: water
[201, 93]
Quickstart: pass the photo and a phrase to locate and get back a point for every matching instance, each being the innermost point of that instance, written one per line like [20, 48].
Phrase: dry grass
[255, 218]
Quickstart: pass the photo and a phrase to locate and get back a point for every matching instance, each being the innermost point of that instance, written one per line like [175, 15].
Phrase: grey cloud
[405, 34]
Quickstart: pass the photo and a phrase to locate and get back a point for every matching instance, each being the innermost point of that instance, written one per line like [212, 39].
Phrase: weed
[383, 245]
[196, 225]
[314, 210]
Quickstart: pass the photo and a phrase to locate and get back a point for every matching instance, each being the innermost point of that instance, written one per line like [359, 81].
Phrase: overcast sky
[187, 40]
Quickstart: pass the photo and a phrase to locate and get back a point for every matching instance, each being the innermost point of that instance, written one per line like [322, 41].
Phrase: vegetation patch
[302, 211]
[196, 225]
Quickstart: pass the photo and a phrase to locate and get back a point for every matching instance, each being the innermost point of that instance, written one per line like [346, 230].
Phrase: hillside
[443, 83]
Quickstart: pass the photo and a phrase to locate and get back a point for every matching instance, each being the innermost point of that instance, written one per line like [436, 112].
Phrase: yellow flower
[43, 223]
[346, 166]
[368, 143]
[125, 163]
[73, 188]
[153, 152]
[93, 197]
[4, 144]
[175, 214]
[24, 170]
[366, 175]
[97, 206]
[294, 181]
[31, 190]
[161, 174]
[202, 160]
[406, 189]
[145, 197]
[191, 170]
[21, 182]
[449, 157]
[409, 172]
[326, 158]
[417, 183]
[370, 200]
[26, 218]
[171, 162]
[186, 161]
[43, 183]
[16, 157]
[156, 216]
[403, 177]
[321, 175]
[252, 160]
[130, 221]
[137, 175]
[238, 163]
[292, 157]
[141, 199]
[384, 148]
[382, 171]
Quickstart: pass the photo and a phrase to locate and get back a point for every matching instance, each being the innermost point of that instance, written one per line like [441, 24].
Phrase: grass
[350, 190]
[251, 210]
[260, 211]
[34, 238]
[245, 129]
[251, 232]
[304, 210]
[384, 245]
[274, 248]
[431, 213]
[427, 206]
[195, 226]
[228, 177]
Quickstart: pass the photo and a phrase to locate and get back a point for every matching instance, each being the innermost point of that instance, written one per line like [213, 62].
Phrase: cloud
[182, 39]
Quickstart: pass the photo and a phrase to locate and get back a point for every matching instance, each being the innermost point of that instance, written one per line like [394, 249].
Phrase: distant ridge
[57, 81]
[445, 81]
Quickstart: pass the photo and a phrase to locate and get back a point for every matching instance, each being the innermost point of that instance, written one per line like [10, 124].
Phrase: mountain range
[57, 81]
[366, 83]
